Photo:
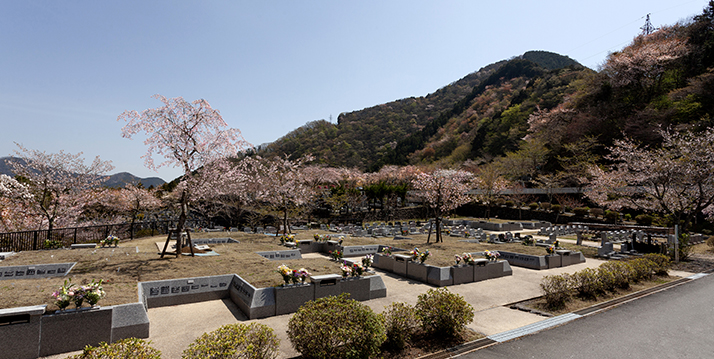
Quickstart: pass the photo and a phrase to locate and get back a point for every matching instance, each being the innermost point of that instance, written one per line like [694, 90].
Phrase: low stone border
[36, 271]
[562, 258]
[442, 276]
[28, 332]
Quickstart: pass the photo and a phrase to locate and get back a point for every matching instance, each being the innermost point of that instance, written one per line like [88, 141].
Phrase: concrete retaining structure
[442, 276]
[543, 262]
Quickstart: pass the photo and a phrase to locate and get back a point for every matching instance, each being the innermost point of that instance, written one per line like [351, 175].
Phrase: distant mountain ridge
[116, 180]
[393, 132]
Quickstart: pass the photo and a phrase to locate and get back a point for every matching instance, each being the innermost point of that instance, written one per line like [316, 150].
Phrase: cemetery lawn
[135, 261]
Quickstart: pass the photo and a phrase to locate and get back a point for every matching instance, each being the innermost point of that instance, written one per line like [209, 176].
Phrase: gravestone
[579, 241]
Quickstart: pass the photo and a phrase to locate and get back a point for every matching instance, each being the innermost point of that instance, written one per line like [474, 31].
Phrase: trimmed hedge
[126, 348]
[233, 341]
[443, 313]
[336, 327]
[589, 283]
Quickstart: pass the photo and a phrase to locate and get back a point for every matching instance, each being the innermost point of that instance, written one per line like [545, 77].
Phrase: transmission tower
[647, 28]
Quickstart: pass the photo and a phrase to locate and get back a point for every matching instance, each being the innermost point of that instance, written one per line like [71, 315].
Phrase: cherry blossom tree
[188, 135]
[443, 191]
[675, 179]
[60, 183]
[279, 183]
[15, 213]
[643, 63]
[489, 185]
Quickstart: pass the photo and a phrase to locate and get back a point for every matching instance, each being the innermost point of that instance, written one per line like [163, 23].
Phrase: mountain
[391, 133]
[115, 181]
[121, 179]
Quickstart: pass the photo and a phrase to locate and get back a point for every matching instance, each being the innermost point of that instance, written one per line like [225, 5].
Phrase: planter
[553, 261]
[290, 298]
[492, 270]
[400, 264]
[357, 287]
[439, 276]
[384, 262]
[327, 285]
[462, 273]
[417, 271]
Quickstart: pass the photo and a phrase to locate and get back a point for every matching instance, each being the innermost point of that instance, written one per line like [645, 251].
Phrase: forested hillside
[533, 115]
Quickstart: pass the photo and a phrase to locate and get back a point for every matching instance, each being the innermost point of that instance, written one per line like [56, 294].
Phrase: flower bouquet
[286, 272]
[109, 241]
[387, 251]
[93, 292]
[491, 255]
[367, 261]
[550, 250]
[357, 269]
[346, 271]
[336, 255]
[63, 296]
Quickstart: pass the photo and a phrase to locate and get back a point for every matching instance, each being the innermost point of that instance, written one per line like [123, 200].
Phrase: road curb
[555, 321]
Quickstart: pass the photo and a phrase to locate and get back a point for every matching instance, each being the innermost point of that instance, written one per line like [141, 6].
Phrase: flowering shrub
[491, 255]
[254, 341]
[336, 255]
[387, 251]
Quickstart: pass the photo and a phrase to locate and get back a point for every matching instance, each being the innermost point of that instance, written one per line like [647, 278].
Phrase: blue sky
[68, 69]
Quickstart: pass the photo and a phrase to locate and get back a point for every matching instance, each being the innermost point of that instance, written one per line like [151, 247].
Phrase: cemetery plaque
[175, 289]
[165, 290]
[195, 286]
[153, 291]
[185, 288]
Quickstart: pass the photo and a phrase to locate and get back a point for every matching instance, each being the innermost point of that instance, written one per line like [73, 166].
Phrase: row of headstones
[562, 230]
[499, 227]
[261, 230]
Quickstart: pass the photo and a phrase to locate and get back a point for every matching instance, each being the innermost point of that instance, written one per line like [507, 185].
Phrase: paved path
[174, 328]
[674, 323]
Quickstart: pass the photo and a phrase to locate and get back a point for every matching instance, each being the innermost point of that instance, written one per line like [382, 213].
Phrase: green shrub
[581, 211]
[607, 279]
[556, 208]
[232, 341]
[597, 212]
[545, 206]
[612, 215]
[642, 269]
[400, 323]
[685, 249]
[620, 272]
[586, 283]
[336, 327]
[443, 313]
[556, 290]
[644, 219]
[661, 261]
[627, 217]
[533, 206]
[126, 348]
[509, 203]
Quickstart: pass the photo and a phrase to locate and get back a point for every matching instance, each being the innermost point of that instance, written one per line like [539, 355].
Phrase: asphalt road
[675, 323]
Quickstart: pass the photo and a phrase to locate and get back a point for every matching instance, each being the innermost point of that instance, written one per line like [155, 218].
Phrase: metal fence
[64, 237]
